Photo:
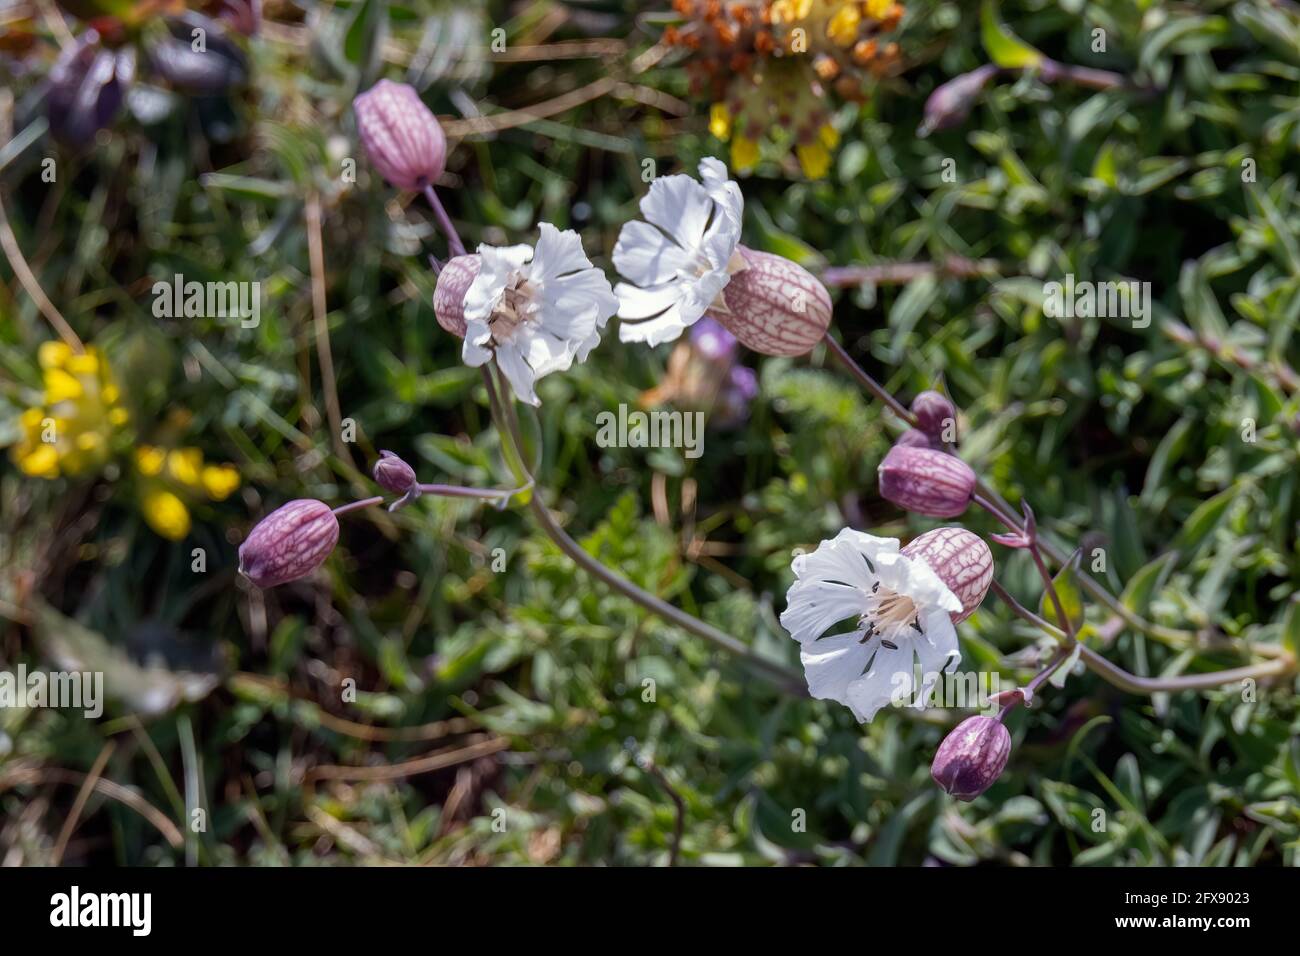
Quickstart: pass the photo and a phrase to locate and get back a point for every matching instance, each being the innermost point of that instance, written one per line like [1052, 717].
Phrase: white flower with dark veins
[535, 310]
[898, 610]
[679, 260]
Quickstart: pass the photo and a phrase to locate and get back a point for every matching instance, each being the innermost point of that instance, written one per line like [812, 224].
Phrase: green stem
[508, 427]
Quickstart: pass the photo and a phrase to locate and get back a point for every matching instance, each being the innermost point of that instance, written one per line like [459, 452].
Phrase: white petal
[813, 607]
[497, 266]
[634, 303]
[656, 331]
[924, 587]
[680, 207]
[558, 253]
[889, 677]
[723, 191]
[645, 256]
[517, 373]
[832, 664]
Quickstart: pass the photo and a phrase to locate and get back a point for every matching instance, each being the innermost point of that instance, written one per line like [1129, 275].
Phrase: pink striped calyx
[935, 415]
[773, 305]
[401, 135]
[926, 481]
[971, 757]
[289, 543]
[962, 561]
[449, 295]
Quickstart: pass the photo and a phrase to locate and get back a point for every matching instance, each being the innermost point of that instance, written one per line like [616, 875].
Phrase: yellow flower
[878, 9]
[814, 159]
[720, 121]
[185, 465]
[843, 28]
[166, 514]
[61, 387]
[41, 462]
[87, 363]
[829, 135]
[53, 354]
[149, 460]
[220, 480]
[787, 11]
[744, 154]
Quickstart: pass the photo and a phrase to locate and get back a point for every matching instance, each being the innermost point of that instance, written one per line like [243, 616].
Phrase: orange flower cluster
[770, 65]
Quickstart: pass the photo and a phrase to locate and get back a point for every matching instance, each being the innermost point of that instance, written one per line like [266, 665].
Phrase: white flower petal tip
[536, 310]
[678, 260]
[898, 612]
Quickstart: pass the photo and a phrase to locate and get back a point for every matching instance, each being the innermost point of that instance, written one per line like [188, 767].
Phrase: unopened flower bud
[914, 438]
[934, 414]
[926, 481]
[449, 295]
[289, 543]
[962, 561]
[972, 757]
[951, 102]
[393, 474]
[774, 306]
[401, 135]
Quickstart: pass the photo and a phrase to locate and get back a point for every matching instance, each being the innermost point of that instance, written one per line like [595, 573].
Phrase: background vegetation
[500, 716]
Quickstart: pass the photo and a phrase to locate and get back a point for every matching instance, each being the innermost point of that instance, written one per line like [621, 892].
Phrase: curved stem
[444, 222]
[508, 426]
[1113, 674]
[866, 381]
[358, 505]
[462, 491]
[1030, 534]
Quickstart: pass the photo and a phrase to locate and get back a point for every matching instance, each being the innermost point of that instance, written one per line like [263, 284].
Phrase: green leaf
[1141, 586]
[1205, 519]
[1005, 48]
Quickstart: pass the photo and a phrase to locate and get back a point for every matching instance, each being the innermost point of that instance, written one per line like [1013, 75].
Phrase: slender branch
[444, 222]
[866, 381]
[358, 505]
[14, 252]
[508, 426]
[1113, 674]
[1029, 532]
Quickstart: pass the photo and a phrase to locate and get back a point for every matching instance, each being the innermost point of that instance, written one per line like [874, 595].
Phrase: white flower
[536, 310]
[678, 262]
[899, 609]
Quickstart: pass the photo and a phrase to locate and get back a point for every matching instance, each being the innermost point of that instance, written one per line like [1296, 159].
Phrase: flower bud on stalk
[962, 561]
[449, 295]
[773, 305]
[972, 757]
[926, 481]
[952, 102]
[393, 474]
[934, 412]
[289, 543]
[401, 135]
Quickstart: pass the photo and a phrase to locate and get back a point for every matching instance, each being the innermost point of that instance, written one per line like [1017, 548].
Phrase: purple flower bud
[401, 135]
[218, 67]
[449, 295]
[962, 561]
[289, 543]
[774, 306]
[926, 482]
[972, 757]
[87, 87]
[934, 413]
[393, 474]
[951, 102]
[914, 438]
